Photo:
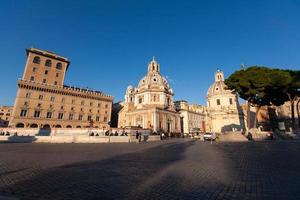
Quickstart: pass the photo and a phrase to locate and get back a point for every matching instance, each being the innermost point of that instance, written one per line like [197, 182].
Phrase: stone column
[154, 121]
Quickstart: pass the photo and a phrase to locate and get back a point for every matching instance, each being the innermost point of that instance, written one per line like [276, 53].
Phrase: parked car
[209, 136]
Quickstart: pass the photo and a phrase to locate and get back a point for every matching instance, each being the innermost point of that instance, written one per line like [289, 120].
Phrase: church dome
[153, 79]
[218, 87]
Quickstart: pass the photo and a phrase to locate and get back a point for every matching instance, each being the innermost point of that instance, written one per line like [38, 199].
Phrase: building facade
[43, 101]
[5, 114]
[284, 115]
[224, 111]
[192, 117]
[150, 105]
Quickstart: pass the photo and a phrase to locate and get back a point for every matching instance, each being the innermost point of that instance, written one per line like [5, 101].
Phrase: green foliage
[260, 85]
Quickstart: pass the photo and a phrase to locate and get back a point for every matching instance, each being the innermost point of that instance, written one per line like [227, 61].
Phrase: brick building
[43, 101]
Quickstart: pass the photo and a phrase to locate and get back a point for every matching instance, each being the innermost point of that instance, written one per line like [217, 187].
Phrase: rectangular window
[44, 81]
[52, 98]
[89, 118]
[230, 101]
[218, 102]
[91, 103]
[80, 117]
[34, 69]
[140, 100]
[28, 95]
[57, 74]
[73, 101]
[37, 114]
[41, 97]
[60, 115]
[55, 82]
[105, 119]
[72, 108]
[82, 103]
[63, 100]
[70, 116]
[46, 72]
[97, 118]
[49, 115]
[23, 113]
[99, 104]
[32, 78]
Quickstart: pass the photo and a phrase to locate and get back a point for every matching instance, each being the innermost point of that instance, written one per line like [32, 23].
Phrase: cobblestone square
[172, 169]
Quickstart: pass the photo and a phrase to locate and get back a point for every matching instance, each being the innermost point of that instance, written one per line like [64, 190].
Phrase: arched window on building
[48, 63]
[20, 125]
[59, 66]
[36, 60]
[168, 101]
[218, 102]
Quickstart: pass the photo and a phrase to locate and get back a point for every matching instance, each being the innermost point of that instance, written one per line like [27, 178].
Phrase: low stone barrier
[73, 139]
[152, 138]
[118, 139]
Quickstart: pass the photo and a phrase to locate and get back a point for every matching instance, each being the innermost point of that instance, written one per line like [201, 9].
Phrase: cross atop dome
[153, 66]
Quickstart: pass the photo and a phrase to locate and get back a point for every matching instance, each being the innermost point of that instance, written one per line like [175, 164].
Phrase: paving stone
[171, 169]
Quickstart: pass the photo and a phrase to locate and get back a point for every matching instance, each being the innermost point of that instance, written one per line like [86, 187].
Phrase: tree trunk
[248, 116]
[292, 101]
[298, 113]
[256, 114]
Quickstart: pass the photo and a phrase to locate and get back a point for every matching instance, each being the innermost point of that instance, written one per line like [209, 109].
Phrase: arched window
[168, 101]
[58, 66]
[36, 60]
[20, 125]
[48, 63]
[46, 126]
[33, 126]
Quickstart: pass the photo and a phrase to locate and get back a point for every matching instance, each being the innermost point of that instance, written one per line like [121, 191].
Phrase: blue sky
[111, 42]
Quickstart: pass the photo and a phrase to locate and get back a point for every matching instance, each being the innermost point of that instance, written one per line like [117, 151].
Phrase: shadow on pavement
[113, 178]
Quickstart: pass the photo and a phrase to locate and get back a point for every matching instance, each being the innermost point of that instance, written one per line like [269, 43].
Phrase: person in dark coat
[137, 134]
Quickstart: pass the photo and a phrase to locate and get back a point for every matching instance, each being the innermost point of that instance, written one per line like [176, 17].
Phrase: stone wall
[75, 139]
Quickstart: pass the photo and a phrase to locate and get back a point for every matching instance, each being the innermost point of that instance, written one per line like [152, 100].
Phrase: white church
[150, 105]
[224, 112]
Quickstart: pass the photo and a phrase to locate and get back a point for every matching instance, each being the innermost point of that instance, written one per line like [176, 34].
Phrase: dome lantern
[219, 76]
[153, 66]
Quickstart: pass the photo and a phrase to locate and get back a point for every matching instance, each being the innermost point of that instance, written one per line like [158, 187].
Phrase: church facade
[223, 109]
[150, 105]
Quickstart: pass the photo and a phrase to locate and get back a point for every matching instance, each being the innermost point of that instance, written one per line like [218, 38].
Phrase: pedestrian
[137, 135]
[140, 137]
